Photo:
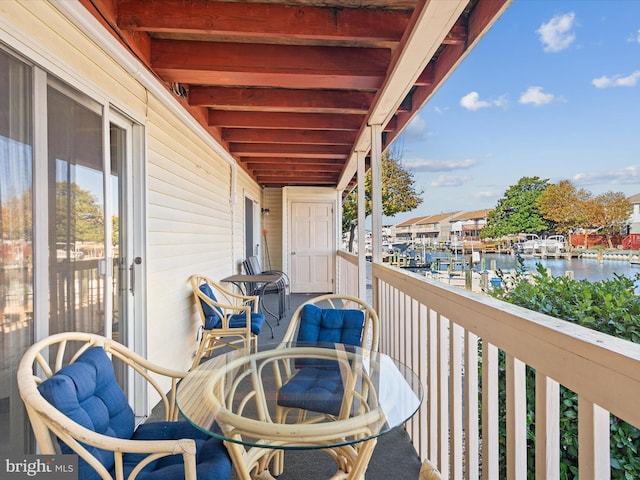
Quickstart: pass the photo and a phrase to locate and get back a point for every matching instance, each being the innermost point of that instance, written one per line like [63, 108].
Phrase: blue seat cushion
[315, 389]
[87, 392]
[328, 326]
[212, 458]
[210, 313]
[238, 320]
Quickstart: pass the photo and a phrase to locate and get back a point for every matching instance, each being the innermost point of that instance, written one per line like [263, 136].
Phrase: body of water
[583, 269]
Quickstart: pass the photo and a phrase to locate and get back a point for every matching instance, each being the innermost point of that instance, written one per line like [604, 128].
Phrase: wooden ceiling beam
[287, 160]
[281, 120]
[313, 137]
[281, 100]
[288, 66]
[292, 151]
[310, 176]
[268, 23]
[258, 168]
[458, 33]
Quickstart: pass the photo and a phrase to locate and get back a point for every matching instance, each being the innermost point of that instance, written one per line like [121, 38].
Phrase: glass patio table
[237, 397]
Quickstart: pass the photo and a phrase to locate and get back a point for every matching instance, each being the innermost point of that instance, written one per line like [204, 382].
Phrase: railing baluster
[547, 428]
[443, 394]
[432, 383]
[456, 335]
[516, 419]
[471, 415]
[593, 441]
[490, 412]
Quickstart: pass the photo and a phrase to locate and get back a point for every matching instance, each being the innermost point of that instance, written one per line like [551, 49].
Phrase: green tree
[517, 212]
[398, 194]
[79, 216]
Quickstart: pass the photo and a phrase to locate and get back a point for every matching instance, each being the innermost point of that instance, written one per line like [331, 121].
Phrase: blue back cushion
[87, 392]
[212, 319]
[330, 325]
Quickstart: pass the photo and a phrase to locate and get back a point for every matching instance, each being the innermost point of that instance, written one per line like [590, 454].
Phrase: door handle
[132, 274]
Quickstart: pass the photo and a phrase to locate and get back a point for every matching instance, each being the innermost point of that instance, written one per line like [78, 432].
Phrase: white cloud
[423, 165]
[617, 80]
[501, 101]
[450, 180]
[536, 96]
[557, 33]
[634, 37]
[471, 101]
[623, 176]
[487, 197]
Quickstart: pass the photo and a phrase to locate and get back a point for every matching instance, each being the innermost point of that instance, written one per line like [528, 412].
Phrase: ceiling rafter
[266, 23]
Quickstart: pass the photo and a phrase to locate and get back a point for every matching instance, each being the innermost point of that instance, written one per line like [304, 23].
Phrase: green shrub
[608, 306]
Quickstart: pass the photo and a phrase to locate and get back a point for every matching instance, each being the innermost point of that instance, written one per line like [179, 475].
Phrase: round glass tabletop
[299, 396]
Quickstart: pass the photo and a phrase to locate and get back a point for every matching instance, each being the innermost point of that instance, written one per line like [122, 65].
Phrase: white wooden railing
[437, 329]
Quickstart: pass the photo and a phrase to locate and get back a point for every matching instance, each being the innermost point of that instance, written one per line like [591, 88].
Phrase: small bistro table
[234, 397]
[263, 280]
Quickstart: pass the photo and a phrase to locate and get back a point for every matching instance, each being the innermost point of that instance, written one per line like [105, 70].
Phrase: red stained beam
[306, 151]
[297, 178]
[285, 66]
[286, 160]
[278, 120]
[267, 22]
[317, 137]
[458, 33]
[282, 100]
[257, 168]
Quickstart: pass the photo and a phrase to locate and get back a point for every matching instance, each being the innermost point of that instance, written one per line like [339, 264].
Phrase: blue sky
[552, 90]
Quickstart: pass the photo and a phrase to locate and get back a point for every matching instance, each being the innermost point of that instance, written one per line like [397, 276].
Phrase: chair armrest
[145, 369]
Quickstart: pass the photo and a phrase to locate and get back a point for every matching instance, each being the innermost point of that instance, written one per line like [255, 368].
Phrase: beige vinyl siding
[273, 223]
[192, 226]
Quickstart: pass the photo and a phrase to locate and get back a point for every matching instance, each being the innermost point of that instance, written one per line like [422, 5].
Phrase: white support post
[362, 228]
[376, 193]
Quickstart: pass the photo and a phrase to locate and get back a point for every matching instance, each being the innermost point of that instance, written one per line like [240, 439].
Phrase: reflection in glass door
[16, 244]
[76, 215]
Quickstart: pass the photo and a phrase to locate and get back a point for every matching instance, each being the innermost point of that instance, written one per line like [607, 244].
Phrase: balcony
[452, 337]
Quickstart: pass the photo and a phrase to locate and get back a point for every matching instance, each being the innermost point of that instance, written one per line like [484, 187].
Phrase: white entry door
[312, 247]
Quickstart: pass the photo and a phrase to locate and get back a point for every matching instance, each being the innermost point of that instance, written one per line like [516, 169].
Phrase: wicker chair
[69, 388]
[429, 472]
[329, 318]
[228, 319]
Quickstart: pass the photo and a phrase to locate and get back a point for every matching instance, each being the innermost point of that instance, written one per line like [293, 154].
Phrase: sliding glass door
[66, 216]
